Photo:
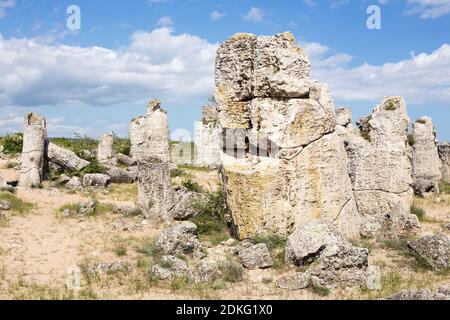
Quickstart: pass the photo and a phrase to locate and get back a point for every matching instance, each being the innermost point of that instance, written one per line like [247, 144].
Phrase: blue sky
[100, 77]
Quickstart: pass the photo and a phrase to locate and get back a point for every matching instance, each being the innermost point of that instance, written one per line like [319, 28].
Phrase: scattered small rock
[256, 257]
[205, 271]
[180, 238]
[95, 180]
[5, 205]
[295, 281]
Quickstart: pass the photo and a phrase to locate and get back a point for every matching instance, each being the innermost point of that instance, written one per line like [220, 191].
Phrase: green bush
[77, 144]
[93, 167]
[271, 241]
[13, 144]
[232, 272]
[122, 145]
[192, 186]
[411, 140]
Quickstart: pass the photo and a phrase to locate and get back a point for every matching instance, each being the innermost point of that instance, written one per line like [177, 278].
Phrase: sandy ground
[38, 249]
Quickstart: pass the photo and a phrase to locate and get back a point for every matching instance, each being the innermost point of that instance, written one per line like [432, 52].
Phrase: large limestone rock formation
[105, 148]
[33, 153]
[207, 139]
[149, 136]
[426, 164]
[283, 162]
[65, 159]
[380, 168]
[444, 154]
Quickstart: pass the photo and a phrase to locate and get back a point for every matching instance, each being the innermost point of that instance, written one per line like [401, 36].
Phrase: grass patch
[147, 247]
[321, 291]
[18, 206]
[444, 188]
[271, 241]
[419, 212]
[77, 144]
[120, 249]
[232, 272]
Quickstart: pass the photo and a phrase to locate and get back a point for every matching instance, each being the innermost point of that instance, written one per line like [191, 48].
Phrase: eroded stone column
[33, 152]
[444, 154]
[149, 136]
[207, 139]
[426, 164]
[105, 148]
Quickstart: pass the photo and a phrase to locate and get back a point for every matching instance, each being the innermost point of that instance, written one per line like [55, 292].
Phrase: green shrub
[271, 241]
[321, 291]
[391, 105]
[419, 212]
[93, 167]
[120, 249]
[192, 186]
[13, 144]
[122, 145]
[232, 272]
[411, 140]
[77, 144]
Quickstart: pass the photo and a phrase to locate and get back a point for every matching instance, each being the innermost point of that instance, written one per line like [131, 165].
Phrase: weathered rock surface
[149, 134]
[122, 175]
[125, 160]
[343, 117]
[426, 164]
[308, 241]
[170, 267]
[333, 261]
[207, 139]
[5, 205]
[96, 180]
[181, 238]
[424, 294]
[186, 204]
[32, 169]
[155, 193]
[149, 137]
[65, 159]
[281, 155]
[380, 167]
[105, 148]
[256, 257]
[294, 281]
[73, 183]
[435, 250]
[444, 154]
[205, 271]
[125, 210]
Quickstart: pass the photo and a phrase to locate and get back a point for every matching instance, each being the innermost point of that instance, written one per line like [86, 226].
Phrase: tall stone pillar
[105, 148]
[149, 137]
[33, 153]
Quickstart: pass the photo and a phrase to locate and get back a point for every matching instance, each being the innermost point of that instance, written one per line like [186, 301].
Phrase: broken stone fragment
[65, 159]
[181, 238]
[73, 184]
[434, 250]
[33, 151]
[5, 205]
[125, 160]
[294, 281]
[205, 271]
[186, 204]
[170, 267]
[426, 164]
[256, 257]
[96, 180]
[122, 175]
[343, 116]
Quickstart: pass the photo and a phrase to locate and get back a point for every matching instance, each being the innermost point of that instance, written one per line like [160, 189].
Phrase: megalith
[283, 162]
[426, 164]
[149, 136]
[444, 154]
[207, 139]
[380, 168]
[32, 169]
[105, 148]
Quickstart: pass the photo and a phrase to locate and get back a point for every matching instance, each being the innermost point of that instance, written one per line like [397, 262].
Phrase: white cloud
[216, 15]
[165, 22]
[421, 79]
[255, 15]
[429, 9]
[155, 64]
[6, 4]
